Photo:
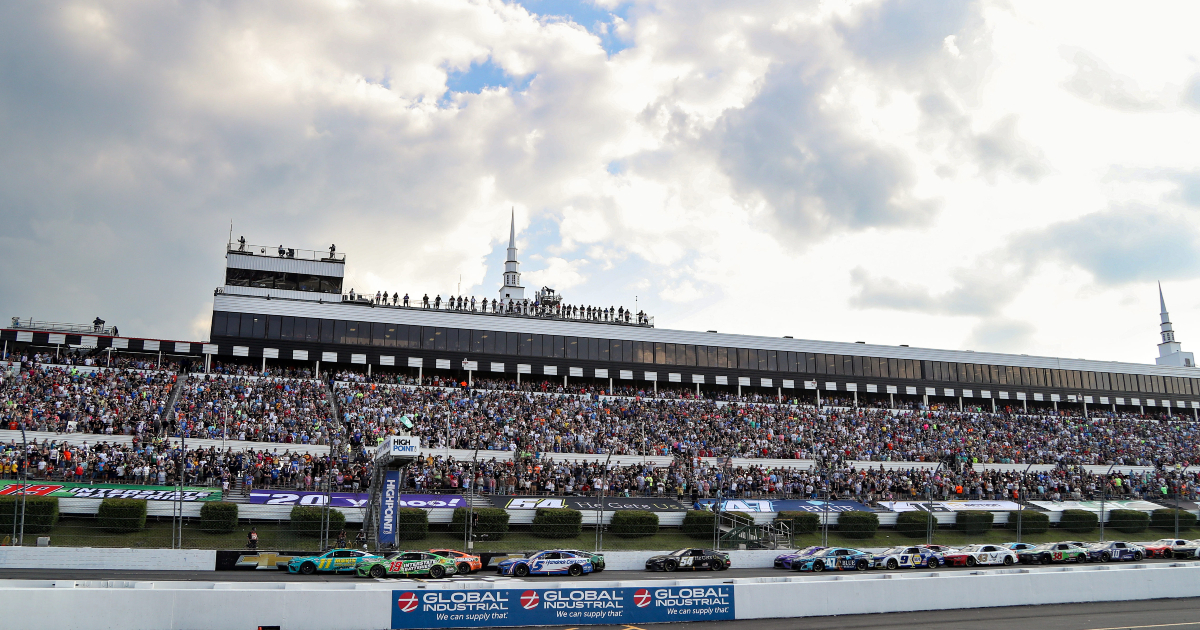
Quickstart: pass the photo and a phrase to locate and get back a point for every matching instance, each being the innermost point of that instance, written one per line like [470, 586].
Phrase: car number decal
[686, 562]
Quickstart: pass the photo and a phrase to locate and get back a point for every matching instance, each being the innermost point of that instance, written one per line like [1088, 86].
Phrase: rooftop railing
[528, 311]
[279, 251]
[59, 327]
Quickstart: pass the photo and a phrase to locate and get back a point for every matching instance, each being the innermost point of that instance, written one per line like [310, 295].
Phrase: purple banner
[352, 500]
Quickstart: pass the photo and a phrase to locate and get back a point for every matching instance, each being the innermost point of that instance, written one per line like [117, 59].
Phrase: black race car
[690, 559]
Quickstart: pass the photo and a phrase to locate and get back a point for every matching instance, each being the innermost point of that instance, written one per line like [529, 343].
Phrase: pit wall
[101, 558]
[118, 605]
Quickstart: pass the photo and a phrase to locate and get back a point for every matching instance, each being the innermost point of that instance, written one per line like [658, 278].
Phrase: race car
[784, 561]
[906, 557]
[1171, 548]
[406, 563]
[335, 560]
[1053, 552]
[972, 555]
[942, 549]
[689, 559]
[464, 562]
[1018, 547]
[1109, 551]
[596, 558]
[834, 559]
[556, 562]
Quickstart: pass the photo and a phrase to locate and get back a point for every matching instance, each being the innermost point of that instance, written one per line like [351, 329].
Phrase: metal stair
[735, 531]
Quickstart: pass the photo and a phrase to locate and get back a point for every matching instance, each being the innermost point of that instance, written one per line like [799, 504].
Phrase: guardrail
[279, 251]
[61, 327]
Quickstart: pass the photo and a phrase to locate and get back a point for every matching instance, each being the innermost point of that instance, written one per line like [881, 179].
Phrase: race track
[275, 576]
[1155, 614]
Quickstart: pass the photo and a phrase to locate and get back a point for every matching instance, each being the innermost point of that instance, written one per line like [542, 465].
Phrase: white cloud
[927, 172]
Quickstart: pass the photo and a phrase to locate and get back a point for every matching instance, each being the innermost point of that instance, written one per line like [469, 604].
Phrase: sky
[1009, 176]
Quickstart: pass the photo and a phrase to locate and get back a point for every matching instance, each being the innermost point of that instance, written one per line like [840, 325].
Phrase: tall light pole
[600, 503]
[24, 479]
[1020, 504]
[1103, 497]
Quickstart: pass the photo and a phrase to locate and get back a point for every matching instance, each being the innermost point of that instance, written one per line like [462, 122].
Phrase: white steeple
[512, 289]
[1170, 352]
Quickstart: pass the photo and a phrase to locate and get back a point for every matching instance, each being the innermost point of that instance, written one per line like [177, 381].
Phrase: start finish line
[545, 607]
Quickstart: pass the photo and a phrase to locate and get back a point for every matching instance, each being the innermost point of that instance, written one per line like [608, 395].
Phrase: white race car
[972, 555]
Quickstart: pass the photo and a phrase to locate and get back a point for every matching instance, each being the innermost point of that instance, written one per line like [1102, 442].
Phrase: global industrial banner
[949, 506]
[352, 500]
[70, 490]
[786, 505]
[551, 606]
[585, 504]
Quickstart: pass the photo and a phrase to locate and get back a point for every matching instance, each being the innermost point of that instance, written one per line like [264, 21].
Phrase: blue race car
[907, 557]
[335, 560]
[784, 561]
[557, 562]
[834, 559]
[1109, 551]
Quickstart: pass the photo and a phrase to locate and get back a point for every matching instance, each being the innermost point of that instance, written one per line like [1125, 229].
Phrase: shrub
[633, 523]
[1032, 521]
[1078, 521]
[1165, 519]
[491, 523]
[122, 515]
[858, 524]
[1128, 521]
[218, 517]
[306, 521]
[915, 524]
[973, 522]
[41, 513]
[557, 523]
[412, 524]
[699, 524]
[801, 522]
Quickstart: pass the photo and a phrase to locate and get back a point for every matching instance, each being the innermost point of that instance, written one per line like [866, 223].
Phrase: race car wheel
[933, 563]
[861, 565]
[521, 570]
[970, 561]
[597, 569]
[1105, 557]
[1081, 558]
[818, 566]
[437, 571]
[721, 566]
[892, 564]
[463, 568]
[1137, 555]
[1008, 561]
[670, 565]
[308, 568]
[575, 570]
[378, 572]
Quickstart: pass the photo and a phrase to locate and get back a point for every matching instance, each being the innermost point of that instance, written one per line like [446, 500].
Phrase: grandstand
[299, 381]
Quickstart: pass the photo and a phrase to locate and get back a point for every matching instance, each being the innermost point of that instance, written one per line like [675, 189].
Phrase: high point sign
[398, 447]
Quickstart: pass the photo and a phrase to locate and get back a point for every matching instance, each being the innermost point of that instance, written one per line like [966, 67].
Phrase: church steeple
[512, 289]
[1170, 351]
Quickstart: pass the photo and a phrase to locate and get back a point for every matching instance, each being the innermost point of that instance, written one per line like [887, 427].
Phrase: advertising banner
[1094, 506]
[404, 446]
[949, 506]
[588, 503]
[786, 505]
[352, 500]
[388, 507]
[69, 490]
[557, 607]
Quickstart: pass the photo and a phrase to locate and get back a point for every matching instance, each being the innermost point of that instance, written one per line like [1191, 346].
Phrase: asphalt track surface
[1155, 614]
[276, 576]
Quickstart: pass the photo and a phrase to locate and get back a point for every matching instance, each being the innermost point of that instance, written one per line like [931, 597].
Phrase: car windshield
[895, 550]
[393, 555]
[1045, 546]
[971, 548]
[825, 552]
[681, 552]
[1165, 541]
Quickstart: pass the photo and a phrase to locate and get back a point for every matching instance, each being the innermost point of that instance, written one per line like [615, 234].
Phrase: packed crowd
[258, 409]
[72, 400]
[533, 308]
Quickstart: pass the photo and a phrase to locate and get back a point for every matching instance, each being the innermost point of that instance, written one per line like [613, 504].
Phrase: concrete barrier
[101, 558]
[367, 604]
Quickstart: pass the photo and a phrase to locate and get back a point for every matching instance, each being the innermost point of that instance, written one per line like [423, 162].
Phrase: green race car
[335, 560]
[406, 563]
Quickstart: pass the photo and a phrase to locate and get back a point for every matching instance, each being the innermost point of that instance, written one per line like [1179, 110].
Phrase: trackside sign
[547, 607]
[402, 446]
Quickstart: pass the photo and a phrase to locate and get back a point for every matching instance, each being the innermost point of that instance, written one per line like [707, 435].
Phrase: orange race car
[465, 562]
